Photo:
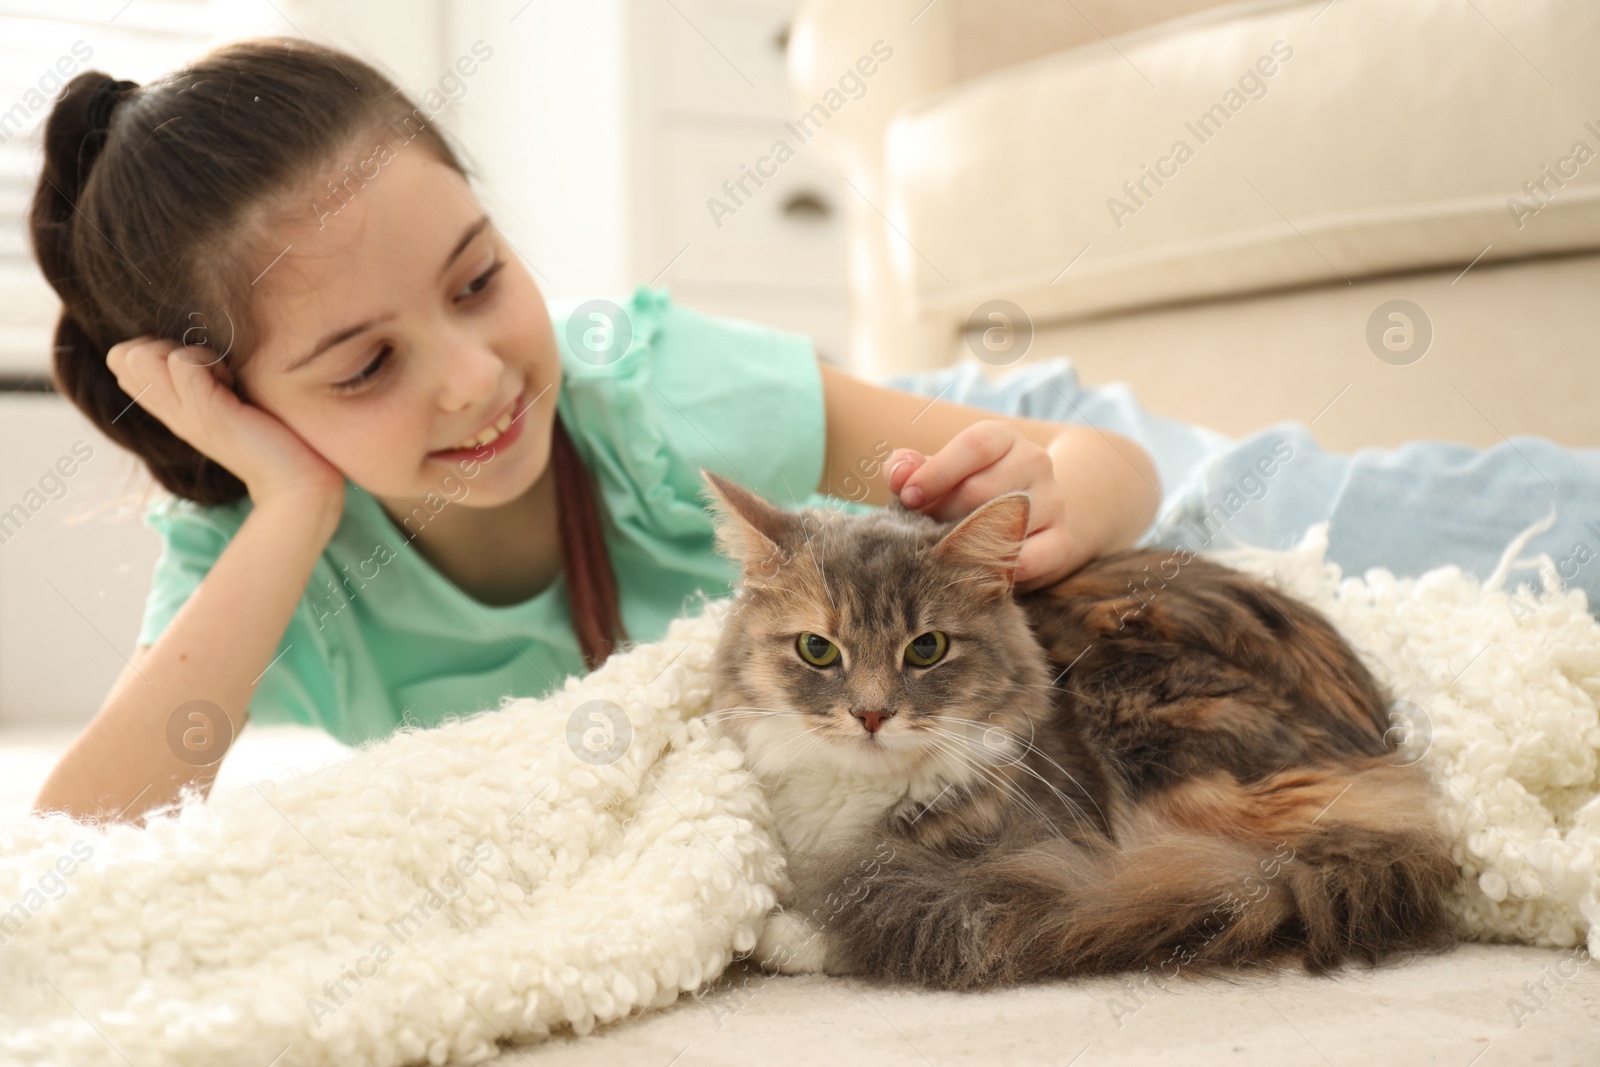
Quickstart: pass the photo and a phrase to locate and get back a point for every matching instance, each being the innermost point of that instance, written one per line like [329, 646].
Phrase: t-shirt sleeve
[740, 395]
[299, 682]
[192, 539]
[686, 390]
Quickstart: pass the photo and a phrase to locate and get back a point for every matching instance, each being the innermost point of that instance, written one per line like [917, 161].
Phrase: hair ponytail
[148, 207]
[75, 138]
[591, 587]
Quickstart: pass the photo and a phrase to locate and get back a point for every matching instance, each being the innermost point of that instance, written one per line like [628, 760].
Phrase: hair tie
[104, 98]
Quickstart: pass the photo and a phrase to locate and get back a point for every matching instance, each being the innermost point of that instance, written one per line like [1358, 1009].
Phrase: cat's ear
[750, 531]
[991, 540]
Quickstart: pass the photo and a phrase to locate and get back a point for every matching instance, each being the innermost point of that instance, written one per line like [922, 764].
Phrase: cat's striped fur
[1158, 762]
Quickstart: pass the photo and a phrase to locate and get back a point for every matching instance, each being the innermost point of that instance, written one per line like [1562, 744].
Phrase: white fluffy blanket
[502, 875]
[556, 862]
[1496, 688]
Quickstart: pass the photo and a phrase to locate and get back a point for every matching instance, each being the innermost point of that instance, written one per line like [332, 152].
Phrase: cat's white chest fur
[817, 806]
[823, 791]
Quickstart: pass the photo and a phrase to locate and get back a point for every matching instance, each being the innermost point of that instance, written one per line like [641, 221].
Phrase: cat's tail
[1316, 867]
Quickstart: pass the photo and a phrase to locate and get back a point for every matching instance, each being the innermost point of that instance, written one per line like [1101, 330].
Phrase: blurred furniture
[716, 216]
[1339, 156]
[629, 142]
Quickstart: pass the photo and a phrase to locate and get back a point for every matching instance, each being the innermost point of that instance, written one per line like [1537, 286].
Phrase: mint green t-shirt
[380, 638]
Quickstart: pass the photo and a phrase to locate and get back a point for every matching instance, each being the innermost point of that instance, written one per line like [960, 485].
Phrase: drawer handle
[780, 40]
[806, 206]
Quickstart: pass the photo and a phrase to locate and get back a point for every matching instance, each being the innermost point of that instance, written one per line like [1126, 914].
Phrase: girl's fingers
[1036, 473]
[134, 358]
[149, 371]
[141, 347]
[970, 451]
[979, 464]
[117, 361]
[903, 462]
[185, 379]
[185, 366]
[1042, 555]
[135, 364]
[207, 403]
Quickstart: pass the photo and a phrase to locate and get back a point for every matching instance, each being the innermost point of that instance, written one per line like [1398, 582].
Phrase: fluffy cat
[1158, 762]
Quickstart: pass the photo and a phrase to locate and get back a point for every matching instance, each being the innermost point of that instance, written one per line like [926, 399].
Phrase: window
[43, 45]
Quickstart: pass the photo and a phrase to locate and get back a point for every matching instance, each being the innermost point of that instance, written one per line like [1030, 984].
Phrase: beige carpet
[1452, 1011]
[1482, 1005]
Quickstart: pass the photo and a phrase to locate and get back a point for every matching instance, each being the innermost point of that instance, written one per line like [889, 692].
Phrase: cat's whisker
[1068, 775]
[811, 544]
[804, 732]
[962, 747]
[815, 742]
[1027, 742]
[1002, 782]
[811, 733]
[752, 710]
[968, 578]
[1029, 746]
[1072, 806]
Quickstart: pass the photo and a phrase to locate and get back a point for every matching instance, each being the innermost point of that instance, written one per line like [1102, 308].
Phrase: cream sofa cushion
[1325, 142]
[989, 34]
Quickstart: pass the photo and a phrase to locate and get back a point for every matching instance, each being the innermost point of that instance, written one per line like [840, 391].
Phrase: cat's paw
[910, 809]
[906, 813]
[790, 945]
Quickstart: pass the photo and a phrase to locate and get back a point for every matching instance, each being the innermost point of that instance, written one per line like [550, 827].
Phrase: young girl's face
[398, 324]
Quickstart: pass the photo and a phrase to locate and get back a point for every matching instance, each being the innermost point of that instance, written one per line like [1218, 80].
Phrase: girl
[404, 488]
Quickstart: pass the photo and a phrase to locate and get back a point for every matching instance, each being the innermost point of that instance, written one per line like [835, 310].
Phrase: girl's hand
[176, 384]
[983, 461]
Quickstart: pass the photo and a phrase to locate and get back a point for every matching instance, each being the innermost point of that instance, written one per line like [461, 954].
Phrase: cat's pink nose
[872, 720]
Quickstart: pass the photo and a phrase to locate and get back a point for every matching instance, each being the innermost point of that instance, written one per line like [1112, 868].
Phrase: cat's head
[875, 642]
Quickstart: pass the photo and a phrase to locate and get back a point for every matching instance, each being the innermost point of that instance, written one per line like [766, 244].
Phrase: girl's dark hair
[150, 225]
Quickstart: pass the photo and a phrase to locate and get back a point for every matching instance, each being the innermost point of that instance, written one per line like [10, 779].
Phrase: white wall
[544, 127]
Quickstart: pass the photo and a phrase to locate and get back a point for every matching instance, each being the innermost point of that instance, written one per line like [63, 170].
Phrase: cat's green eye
[928, 649]
[816, 649]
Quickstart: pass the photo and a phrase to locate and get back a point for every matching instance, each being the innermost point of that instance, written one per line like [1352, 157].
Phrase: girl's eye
[816, 649]
[367, 373]
[928, 649]
[481, 282]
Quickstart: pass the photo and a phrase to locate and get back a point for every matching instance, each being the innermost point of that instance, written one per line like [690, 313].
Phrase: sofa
[1378, 218]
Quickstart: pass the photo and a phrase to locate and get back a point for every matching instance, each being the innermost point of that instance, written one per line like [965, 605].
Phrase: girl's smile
[498, 437]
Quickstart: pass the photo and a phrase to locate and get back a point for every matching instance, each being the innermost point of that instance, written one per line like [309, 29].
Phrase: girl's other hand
[175, 383]
[983, 461]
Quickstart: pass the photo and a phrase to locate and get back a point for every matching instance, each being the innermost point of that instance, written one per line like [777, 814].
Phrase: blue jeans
[1408, 509]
